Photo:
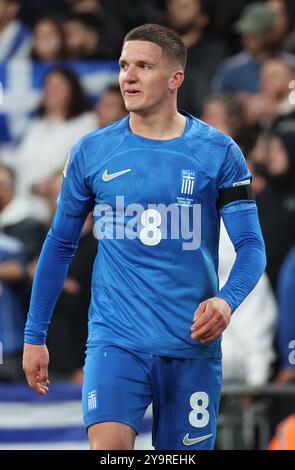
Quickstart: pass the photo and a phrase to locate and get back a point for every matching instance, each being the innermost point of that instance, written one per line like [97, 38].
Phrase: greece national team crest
[188, 182]
[187, 188]
[92, 403]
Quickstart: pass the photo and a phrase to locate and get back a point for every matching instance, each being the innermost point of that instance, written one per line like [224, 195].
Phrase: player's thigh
[116, 390]
[186, 402]
[111, 436]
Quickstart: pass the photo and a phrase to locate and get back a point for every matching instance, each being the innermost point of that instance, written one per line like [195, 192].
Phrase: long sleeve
[56, 255]
[242, 224]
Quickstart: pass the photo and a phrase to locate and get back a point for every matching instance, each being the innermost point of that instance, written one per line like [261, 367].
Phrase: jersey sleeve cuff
[31, 339]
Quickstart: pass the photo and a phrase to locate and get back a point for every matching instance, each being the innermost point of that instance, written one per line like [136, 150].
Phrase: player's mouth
[131, 93]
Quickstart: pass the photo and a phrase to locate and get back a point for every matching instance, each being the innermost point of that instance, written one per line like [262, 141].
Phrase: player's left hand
[211, 318]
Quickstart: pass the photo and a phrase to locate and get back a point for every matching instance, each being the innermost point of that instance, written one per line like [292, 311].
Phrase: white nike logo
[107, 177]
[189, 442]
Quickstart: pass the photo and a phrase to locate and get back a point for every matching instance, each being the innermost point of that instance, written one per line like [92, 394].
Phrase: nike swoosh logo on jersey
[189, 442]
[107, 177]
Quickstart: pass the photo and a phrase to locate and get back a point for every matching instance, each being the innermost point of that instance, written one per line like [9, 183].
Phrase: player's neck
[159, 126]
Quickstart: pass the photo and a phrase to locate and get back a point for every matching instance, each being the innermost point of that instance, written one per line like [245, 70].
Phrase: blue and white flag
[21, 83]
[30, 421]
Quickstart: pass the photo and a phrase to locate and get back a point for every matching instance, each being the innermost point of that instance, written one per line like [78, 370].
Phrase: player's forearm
[244, 230]
[56, 255]
[246, 272]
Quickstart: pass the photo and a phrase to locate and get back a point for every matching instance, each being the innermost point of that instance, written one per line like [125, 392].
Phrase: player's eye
[145, 66]
[123, 66]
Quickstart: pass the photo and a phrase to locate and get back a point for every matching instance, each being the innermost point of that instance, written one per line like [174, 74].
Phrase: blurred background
[59, 81]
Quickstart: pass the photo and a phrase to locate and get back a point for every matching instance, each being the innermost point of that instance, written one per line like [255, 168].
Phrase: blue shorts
[120, 384]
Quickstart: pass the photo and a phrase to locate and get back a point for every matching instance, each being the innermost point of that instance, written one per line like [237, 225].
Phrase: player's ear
[176, 79]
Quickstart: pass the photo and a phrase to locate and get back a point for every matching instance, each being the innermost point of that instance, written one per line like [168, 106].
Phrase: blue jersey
[150, 273]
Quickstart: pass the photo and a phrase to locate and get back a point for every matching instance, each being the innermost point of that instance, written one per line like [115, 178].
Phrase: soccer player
[157, 181]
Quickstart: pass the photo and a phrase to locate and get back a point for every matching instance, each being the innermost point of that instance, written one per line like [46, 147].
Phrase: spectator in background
[12, 272]
[283, 32]
[283, 22]
[224, 113]
[16, 216]
[276, 203]
[111, 106]
[68, 332]
[64, 116]
[272, 106]
[227, 14]
[130, 13]
[14, 36]
[48, 40]
[241, 73]
[49, 189]
[256, 162]
[112, 31]
[32, 10]
[247, 345]
[192, 20]
[85, 6]
[275, 79]
[259, 177]
[83, 33]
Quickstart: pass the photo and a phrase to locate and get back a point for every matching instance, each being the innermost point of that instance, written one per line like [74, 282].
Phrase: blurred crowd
[240, 78]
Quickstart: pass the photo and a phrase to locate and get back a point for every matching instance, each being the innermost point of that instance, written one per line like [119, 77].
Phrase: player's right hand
[211, 318]
[35, 366]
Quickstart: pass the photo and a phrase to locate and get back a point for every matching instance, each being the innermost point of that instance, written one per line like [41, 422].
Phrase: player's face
[146, 76]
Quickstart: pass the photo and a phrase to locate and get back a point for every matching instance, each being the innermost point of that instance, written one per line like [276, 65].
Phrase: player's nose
[131, 74]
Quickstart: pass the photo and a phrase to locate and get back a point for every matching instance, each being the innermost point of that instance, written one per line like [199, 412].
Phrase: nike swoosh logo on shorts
[107, 177]
[189, 442]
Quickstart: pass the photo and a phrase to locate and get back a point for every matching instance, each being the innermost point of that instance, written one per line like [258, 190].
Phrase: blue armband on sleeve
[56, 255]
[242, 224]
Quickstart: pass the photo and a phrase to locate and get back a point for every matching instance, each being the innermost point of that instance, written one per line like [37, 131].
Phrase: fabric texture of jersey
[185, 394]
[144, 296]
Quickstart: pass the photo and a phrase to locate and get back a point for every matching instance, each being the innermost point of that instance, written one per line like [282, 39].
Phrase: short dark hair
[172, 45]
